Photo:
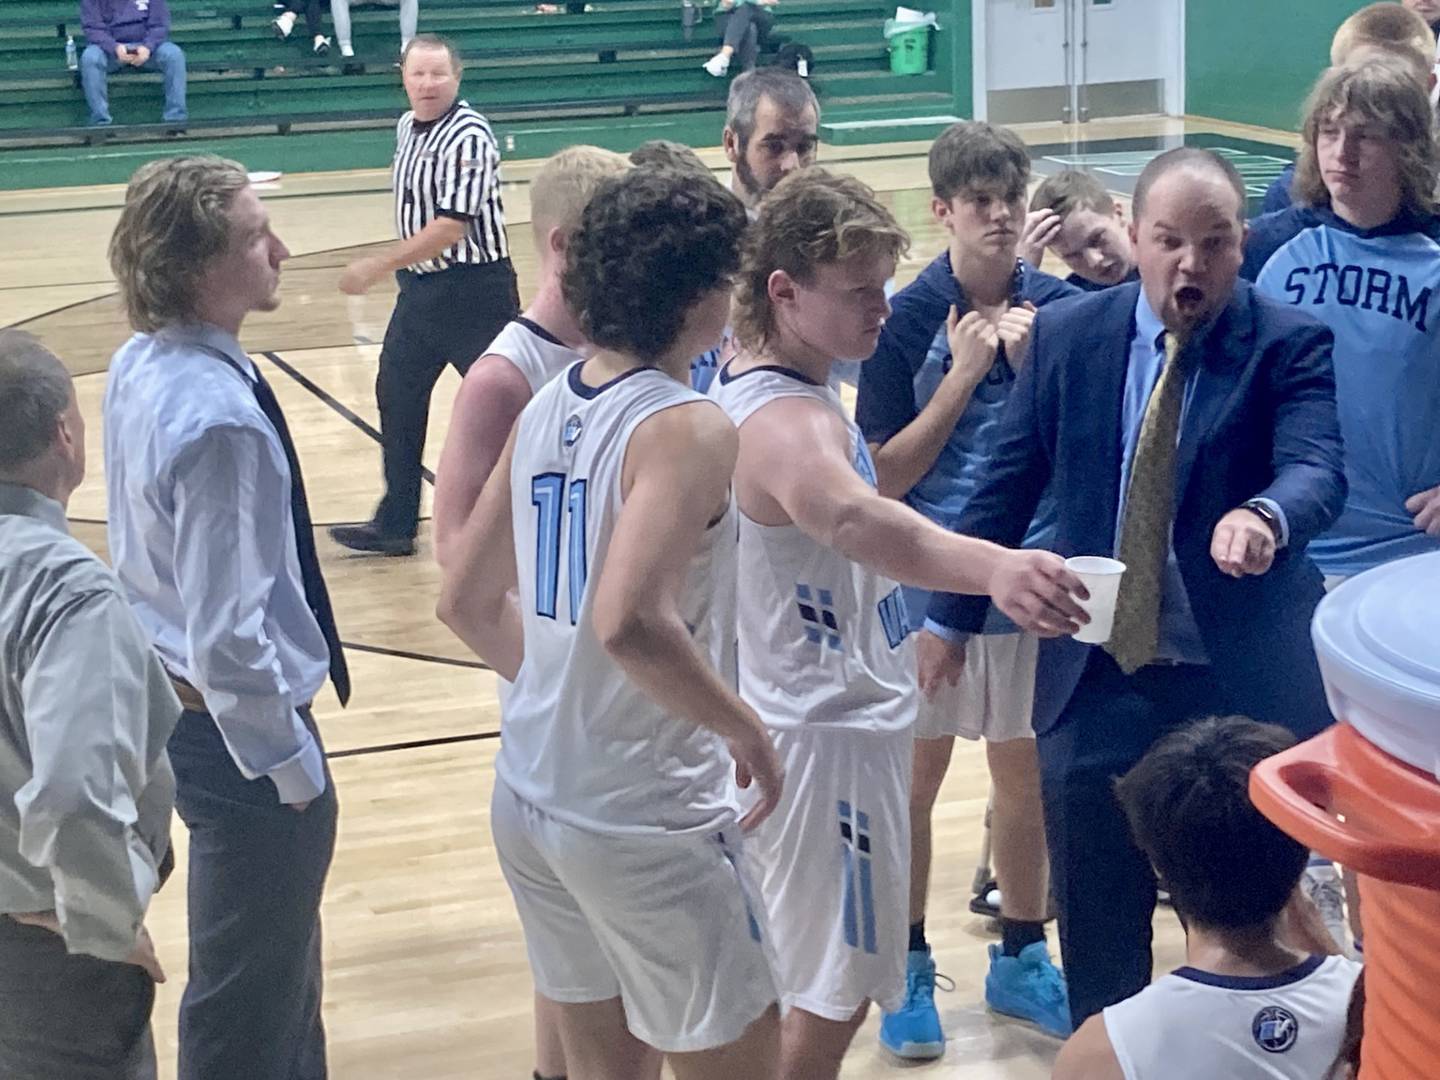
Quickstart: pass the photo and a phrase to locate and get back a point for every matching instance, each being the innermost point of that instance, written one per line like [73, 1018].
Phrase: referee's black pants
[447, 317]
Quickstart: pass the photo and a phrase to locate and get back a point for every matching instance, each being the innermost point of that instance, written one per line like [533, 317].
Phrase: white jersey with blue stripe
[1195, 1025]
[822, 639]
[581, 741]
[1379, 292]
[536, 353]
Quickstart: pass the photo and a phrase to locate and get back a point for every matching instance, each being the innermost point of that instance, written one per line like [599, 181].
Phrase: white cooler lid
[1377, 637]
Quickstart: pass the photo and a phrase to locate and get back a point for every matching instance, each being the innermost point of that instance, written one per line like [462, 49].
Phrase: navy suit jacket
[1260, 421]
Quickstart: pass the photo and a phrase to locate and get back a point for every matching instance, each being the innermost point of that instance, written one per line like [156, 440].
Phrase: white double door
[1076, 60]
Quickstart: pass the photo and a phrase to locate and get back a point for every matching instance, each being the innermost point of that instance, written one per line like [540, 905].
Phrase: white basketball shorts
[663, 922]
[834, 869]
[995, 696]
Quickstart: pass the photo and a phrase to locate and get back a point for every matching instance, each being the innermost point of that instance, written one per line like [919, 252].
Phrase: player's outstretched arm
[798, 456]
[675, 483]
[492, 395]
[1088, 1055]
[477, 595]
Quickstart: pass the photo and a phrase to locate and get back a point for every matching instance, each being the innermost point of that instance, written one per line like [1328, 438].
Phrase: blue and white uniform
[825, 661]
[1379, 291]
[614, 820]
[1194, 1025]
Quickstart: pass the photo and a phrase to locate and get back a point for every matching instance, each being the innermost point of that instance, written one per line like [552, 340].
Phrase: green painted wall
[1253, 61]
[954, 51]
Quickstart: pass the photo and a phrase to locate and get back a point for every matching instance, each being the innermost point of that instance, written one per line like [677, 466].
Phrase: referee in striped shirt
[457, 286]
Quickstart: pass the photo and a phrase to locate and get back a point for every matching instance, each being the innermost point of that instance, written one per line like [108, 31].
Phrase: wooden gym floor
[425, 966]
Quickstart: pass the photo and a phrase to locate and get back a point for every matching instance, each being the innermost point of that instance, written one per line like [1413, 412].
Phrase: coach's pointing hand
[1243, 544]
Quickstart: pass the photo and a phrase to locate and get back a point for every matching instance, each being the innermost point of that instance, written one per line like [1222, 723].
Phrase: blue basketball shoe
[1029, 987]
[913, 1031]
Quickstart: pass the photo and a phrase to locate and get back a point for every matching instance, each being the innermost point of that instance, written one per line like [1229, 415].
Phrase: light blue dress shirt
[203, 542]
[1179, 635]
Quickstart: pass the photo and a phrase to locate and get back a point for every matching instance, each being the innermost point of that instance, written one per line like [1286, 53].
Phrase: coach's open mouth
[1189, 296]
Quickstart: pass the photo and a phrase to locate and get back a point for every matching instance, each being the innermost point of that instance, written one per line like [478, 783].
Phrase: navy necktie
[317, 596]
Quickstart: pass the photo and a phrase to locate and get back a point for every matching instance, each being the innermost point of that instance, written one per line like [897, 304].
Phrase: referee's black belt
[467, 267]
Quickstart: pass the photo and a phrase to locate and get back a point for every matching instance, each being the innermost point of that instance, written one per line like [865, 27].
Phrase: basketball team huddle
[739, 628]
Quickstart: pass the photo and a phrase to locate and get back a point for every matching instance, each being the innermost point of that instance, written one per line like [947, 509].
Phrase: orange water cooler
[1366, 793]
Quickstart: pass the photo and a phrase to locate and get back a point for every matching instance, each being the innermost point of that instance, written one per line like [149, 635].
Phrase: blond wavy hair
[812, 218]
[176, 219]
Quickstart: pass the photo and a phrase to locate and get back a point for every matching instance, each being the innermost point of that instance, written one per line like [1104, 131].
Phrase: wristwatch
[1266, 513]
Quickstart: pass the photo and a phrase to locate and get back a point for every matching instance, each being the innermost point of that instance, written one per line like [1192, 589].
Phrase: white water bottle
[71, 62]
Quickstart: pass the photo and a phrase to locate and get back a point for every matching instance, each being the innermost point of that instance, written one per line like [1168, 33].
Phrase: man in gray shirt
[86, 790]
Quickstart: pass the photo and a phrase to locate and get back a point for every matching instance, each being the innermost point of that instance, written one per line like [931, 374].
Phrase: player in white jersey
[1259, 999]
[530, 351]
[609, 518]
[822, 647]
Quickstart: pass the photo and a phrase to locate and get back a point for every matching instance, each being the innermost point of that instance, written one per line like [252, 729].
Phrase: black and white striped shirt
[450, 167]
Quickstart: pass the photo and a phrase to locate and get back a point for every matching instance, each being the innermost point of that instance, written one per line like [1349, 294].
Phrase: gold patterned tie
[1149, 512]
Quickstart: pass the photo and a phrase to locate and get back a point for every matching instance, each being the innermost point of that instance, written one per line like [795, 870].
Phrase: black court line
[406, 654]
[61, 310]
[325, 396]
[59, 284]
[416, 744]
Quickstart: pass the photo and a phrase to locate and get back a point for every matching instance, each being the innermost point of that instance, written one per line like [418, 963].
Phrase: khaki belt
[190, 698]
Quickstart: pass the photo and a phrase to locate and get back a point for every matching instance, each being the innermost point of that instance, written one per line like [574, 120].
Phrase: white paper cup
[1102, 577]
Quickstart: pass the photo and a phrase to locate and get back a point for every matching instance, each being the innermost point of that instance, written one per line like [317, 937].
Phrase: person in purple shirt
[134, 34]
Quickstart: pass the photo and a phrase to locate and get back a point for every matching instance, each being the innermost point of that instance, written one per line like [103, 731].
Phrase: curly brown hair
[651, 243]
[1384, 91]
[812, 218]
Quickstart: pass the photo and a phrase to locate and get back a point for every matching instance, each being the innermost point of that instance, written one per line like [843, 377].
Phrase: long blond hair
[175, 220]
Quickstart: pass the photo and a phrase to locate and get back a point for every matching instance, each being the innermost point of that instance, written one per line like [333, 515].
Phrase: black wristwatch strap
[1266, 514]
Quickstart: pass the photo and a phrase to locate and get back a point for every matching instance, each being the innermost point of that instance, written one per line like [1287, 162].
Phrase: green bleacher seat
[536, 76]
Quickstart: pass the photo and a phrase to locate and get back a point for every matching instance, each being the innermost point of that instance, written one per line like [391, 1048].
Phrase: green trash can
[910, 51]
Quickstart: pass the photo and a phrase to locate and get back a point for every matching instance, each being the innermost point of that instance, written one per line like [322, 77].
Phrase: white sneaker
[321, 46]
[284, 23]
[346, 49]
[1323, 886]
[718, 65]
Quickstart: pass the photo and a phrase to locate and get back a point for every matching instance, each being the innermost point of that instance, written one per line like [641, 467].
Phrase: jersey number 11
[547, 495]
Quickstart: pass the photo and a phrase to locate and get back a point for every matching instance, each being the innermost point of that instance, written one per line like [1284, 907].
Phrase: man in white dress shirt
[211, 537]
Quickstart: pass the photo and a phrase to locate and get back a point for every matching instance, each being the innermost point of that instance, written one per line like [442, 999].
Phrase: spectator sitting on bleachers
[129, 33]
[744, 26]
[340, 15]
[291, 11]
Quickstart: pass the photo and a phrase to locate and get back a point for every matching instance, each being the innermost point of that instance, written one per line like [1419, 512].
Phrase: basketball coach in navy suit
[1185, 425]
